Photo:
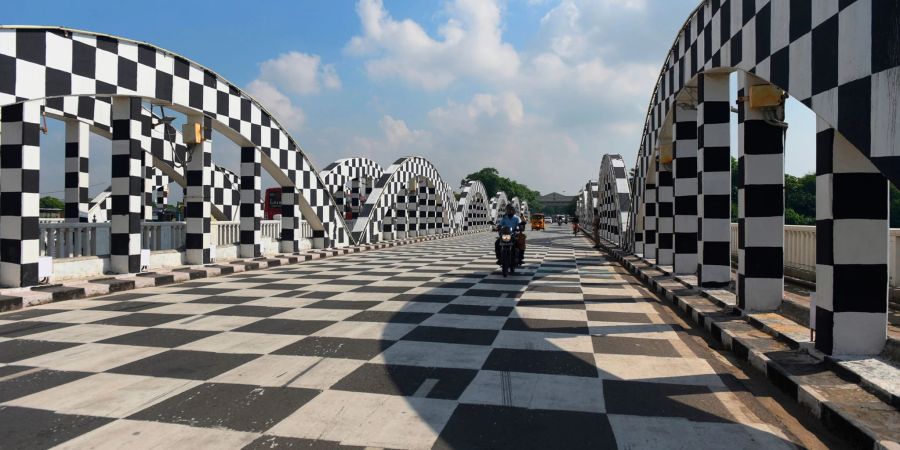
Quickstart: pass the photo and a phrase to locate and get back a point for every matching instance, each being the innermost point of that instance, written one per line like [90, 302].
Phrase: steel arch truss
[410, 199]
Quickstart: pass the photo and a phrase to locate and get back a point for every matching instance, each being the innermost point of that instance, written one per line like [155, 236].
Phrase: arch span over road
[839, 61]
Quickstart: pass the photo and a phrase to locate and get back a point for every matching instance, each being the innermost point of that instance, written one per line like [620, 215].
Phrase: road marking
[426, 387]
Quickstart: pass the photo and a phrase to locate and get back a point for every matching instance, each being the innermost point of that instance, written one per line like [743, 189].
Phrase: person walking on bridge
[575, 224]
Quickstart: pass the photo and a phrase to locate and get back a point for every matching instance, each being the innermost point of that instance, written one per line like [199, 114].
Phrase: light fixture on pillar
[770, 100]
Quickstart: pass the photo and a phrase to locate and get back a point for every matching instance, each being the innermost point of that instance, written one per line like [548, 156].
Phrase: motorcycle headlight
[507, 237]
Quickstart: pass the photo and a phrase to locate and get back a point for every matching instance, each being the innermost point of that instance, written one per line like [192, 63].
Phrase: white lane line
[426, 387]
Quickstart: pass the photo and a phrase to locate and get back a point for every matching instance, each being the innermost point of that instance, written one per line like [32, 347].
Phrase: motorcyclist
[511, 220]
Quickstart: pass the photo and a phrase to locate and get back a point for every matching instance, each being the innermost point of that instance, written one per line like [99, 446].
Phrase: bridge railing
[73, 240]
[800, 252]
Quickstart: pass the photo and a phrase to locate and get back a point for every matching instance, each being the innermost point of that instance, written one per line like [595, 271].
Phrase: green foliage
[52, 202]
[494, 183]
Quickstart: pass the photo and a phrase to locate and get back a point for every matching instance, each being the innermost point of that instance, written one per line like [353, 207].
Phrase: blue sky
[539, 89]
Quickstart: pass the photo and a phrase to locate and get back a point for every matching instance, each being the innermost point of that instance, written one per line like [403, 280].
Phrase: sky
[539, 89]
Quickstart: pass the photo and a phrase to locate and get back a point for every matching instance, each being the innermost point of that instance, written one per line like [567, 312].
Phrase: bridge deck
[409, 347]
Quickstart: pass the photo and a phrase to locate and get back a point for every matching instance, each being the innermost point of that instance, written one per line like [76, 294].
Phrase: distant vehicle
[272, 203]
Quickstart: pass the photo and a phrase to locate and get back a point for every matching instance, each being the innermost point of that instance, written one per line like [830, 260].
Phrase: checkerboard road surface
[422, 346]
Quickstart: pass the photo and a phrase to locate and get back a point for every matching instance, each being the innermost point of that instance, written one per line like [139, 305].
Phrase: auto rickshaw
[537, 221]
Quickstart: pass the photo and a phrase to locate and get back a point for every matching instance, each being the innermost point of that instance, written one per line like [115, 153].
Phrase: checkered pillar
[339, 202]
[714, 184]
[650, 246]
[20, 164]
[162, 197]
[665, 228]
[387, 225]
[197, 205]
[684, 168]
[412, 213]
[149, 186]
[128, 175]
[78, 147]
[251, 202]
[760, 281]
[290, 220]
[851, 248]
[431, 210]
[400, 219]
[354, 198]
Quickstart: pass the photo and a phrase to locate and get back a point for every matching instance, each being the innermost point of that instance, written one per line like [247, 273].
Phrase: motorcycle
[509, 253]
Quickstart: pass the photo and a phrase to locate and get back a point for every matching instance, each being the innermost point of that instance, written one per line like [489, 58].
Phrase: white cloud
[299, 73]
[279, 105]
[470, 45]
[397, 132]
[483, 110]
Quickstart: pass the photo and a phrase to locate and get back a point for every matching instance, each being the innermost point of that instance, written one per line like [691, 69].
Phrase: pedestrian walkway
[422, 346]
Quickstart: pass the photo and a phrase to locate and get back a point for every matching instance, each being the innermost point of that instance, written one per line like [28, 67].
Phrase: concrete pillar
[77, 171]
[197, 205]
[760, 282]
[714, 186]
[665, 253]
[650, 244]
[354, 198]
[131, 136]
[684, 168]
[290, 220]
[851, 248]
[20, 165]
[251, 211]
[400, 219]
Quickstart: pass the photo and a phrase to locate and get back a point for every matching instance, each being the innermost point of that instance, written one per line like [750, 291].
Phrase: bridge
[368, 311]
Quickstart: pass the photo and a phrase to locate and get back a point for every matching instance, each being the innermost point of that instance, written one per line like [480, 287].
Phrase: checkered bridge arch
[498, 205]
[613, 198]
[410, 198]
[472, 211]
[839, 58]
[45, 63]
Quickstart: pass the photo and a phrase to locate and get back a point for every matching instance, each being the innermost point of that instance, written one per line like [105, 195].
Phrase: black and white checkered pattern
[714, 176]
[77, 166]
[197, 208]
[472, 211]
[760, 280]
[795, 45]
[498, 205]
[650, 210]
[665, 226]
[851, 248]
[405, 203]
[684, 168]
[354, 175]
[419, 346]
[251, 211]
[613, 198]
[42, 63]
[20, 131]
[131, 140]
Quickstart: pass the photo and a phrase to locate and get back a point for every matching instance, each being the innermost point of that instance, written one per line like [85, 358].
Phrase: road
[422, 346]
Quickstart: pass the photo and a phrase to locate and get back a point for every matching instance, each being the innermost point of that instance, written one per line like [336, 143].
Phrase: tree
[52, 202]
[493, 183]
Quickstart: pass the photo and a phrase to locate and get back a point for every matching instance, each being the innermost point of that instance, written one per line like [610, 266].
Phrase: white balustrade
[225, 233]
[163, 235]
[71, 240]
[271, 229]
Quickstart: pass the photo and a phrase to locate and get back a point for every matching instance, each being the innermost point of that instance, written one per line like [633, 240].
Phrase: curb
[789, 370]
